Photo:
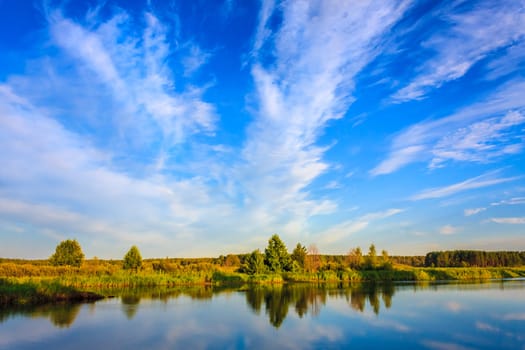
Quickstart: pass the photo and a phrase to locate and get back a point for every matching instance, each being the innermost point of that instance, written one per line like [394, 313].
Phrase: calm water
[446, 316]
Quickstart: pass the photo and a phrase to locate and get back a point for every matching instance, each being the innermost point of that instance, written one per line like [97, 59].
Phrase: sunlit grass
[24, 282]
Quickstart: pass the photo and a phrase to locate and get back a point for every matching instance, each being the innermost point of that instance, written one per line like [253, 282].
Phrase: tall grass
[16, 291]
[25, 282]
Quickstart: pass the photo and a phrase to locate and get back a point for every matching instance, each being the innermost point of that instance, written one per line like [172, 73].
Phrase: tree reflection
[63, 316]
[276, 300]
[372, 292]
[130, 305]
[310, 298]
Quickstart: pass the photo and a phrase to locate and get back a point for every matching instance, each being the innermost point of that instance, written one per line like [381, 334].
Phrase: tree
[299, 255]
[255, 263]
[385, 260]
[371, 258]
[132, 259]
[355, 258]
[232, 260]
[276, 255]
[67, 252]
[313, 260]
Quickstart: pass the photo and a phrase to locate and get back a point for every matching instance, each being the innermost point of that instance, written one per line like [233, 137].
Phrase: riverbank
[27, 292]
[72, 287]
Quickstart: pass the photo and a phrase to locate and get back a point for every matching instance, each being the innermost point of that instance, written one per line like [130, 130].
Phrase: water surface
[433, 316]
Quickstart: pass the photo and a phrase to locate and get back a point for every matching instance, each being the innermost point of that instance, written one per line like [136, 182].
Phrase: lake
[448, 316]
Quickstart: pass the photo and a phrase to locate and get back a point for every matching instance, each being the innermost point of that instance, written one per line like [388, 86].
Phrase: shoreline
[15, 291]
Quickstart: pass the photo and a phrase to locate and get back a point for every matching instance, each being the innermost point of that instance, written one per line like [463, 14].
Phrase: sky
[201, 128]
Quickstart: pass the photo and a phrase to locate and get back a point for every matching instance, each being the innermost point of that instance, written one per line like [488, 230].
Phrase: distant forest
[474, 258]
[451, 258]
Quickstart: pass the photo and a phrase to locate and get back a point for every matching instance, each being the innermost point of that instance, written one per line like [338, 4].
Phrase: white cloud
[512, 221]
[511, 61]
[473, 211]
[511, 201]
[347, 228]
[484, 180]
[44, 165]
[263, 32]
[114, 78]
[480, 141]
[135, 72]
[195, 59]
[448, 230]
[397, 160]
[333, 185]
[295, 101]
[470, 37]
[481, 132]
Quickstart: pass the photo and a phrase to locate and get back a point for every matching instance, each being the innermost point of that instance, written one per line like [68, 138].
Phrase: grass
[27, 292]
[36, 284]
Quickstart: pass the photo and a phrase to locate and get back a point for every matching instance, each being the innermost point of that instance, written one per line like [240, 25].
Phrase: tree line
[474, 258]
[277, 259]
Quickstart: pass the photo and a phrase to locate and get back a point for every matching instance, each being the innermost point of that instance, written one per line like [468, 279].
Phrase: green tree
[132, 259]
[371, 258]
[255, 263]
[232, 260]
[276, 255]
[67, 252]
[385, 260]
[299, 255]
[355, 258]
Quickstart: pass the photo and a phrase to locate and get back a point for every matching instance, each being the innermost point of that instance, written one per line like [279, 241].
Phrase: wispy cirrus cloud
[470, 36]
[195, 59]
[480, 133]
[93, 199]
[114, 68]
[487, 179]
[511, 220]
[297, 100]
[347, 228]
[510, 201]
[398, 159]
[114, 77]
[67, 171]
[481, 141]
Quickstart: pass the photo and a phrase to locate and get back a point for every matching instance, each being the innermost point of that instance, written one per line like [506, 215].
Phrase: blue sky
[200, 128]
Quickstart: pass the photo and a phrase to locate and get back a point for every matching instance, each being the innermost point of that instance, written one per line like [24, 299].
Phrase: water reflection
[484, 316]
[61, 315]
[130, 305]
[277, 301]
[309, 299]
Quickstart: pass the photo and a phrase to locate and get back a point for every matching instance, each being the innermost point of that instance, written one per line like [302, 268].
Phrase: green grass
[25, 292]
[31, 284]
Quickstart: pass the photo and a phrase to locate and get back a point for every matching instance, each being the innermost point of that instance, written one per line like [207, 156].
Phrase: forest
[477, 258]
